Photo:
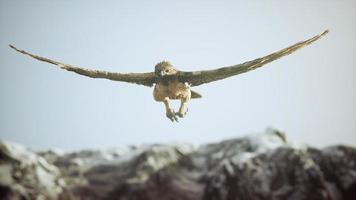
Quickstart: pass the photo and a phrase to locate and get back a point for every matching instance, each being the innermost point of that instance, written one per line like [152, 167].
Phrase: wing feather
[196, 78]
[146, 79]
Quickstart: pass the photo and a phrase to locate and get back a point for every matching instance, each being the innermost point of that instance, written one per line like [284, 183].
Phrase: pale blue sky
[310, 94]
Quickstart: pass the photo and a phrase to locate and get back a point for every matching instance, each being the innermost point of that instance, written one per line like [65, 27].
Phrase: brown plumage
[173, 84]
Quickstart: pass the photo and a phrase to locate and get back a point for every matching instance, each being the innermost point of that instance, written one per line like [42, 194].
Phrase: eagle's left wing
[146, 79]
[196, 78]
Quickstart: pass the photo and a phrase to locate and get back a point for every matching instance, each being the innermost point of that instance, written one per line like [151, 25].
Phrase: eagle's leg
[169, 111]
[182, 109]
[183, 106]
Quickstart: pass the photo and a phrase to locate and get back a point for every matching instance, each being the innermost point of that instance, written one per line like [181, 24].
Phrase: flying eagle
[172, 84]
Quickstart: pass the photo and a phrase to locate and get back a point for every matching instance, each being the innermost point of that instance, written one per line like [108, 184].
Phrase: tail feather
[195, 95]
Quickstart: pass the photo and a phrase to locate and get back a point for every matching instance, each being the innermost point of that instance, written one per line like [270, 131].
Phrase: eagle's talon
[171, 115]
[182, 114]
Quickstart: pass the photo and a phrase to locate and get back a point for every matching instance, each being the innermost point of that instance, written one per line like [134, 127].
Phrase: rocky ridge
[260, 166]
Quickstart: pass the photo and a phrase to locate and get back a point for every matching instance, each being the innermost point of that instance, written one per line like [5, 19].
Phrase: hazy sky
[310, 94]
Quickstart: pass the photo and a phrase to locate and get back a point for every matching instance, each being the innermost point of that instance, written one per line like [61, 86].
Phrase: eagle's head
[164, 68]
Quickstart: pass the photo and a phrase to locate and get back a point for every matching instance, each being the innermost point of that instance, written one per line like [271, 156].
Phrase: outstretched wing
[196, 78]
[147, 79]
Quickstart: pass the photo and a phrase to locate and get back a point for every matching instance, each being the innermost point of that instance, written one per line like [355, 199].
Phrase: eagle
[171, 83]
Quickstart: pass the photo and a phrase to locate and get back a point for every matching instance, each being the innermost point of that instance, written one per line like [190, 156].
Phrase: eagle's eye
[167, 70]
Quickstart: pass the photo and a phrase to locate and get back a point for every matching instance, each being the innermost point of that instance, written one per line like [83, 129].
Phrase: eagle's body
[173, 90]
[172, 84]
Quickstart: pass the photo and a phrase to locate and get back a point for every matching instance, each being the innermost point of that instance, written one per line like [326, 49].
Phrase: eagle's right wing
[146, 79]
[196, 78]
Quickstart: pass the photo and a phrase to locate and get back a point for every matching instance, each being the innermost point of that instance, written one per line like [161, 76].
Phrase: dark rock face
[338, 164]
[282, 174]
[263, 166]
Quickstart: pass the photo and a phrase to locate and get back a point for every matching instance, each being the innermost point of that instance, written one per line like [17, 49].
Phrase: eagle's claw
[172, 116]
[182, 114]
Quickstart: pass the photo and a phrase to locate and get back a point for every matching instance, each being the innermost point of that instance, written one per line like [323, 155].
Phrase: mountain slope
[261, 166]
